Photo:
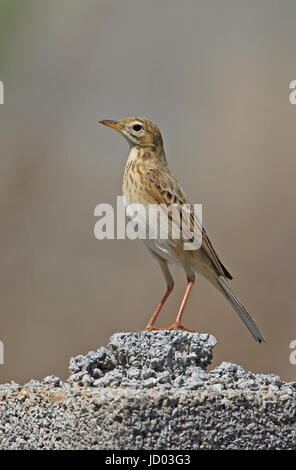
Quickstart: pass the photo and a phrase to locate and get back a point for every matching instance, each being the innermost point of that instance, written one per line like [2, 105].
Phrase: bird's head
[139, 132]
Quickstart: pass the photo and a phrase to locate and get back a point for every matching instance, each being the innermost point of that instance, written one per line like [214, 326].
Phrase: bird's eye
[137, 127]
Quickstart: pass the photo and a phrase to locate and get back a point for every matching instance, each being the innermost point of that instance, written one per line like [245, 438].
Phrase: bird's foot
[152, 328]
[174, 326]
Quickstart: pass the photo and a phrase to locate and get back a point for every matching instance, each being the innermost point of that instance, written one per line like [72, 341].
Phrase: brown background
[215, 75]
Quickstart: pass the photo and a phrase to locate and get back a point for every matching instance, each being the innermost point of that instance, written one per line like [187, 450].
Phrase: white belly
[163, 249]
[150, 232]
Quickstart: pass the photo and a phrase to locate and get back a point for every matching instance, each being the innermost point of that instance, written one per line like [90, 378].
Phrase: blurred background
[215, 76]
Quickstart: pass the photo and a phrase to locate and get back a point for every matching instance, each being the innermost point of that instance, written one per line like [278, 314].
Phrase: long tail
[240, 310]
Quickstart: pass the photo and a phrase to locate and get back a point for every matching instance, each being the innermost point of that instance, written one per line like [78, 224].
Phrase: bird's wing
[163, 189]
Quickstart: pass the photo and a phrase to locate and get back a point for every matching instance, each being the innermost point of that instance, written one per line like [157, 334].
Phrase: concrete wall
[150, 391]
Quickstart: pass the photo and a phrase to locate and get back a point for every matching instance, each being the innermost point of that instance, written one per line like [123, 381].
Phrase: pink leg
[162, 302]
[177, 324]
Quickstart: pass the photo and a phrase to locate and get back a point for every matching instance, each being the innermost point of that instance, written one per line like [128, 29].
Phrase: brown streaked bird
[148, 180]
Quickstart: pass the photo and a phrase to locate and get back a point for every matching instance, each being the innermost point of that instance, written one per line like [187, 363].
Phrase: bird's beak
[113, 124]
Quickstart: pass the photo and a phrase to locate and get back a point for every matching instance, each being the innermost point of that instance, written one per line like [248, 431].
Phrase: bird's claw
[174, 326]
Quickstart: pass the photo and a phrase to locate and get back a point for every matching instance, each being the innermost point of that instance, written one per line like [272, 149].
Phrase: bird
[148, 180]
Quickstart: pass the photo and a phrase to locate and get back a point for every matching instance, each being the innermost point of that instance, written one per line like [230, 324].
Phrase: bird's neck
[147, 155]
[140, 160]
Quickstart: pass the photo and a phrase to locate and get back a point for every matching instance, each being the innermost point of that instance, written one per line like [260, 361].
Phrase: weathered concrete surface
[150, 391]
